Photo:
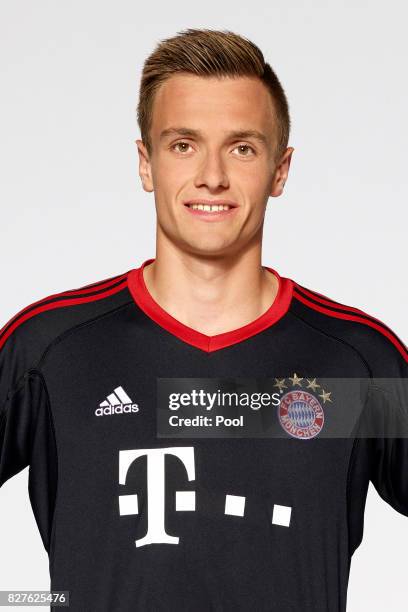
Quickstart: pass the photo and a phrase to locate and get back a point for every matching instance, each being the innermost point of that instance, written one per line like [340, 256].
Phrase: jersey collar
[154, 311]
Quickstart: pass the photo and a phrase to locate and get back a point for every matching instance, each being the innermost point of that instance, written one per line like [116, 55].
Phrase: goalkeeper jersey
[170, 470]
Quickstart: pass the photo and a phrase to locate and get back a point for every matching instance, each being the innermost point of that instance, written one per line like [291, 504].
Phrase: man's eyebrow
[238, 134]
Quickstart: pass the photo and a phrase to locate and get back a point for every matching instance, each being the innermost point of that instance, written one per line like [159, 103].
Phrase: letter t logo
[156, 533]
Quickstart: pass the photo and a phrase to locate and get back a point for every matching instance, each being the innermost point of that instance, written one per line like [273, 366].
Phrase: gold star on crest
[312, 384]
[325, 395]
[280, 384]
[296, 380]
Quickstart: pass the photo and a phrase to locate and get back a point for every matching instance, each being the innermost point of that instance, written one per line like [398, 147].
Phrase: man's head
[214, 123]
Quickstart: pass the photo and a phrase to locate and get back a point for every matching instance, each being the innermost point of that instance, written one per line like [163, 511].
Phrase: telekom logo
[156, 533]
[185, 500]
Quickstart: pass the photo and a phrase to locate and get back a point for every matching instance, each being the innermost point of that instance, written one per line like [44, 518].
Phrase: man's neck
[212, 296]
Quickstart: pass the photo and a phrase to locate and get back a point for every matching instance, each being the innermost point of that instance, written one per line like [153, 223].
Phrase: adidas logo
[117, 402]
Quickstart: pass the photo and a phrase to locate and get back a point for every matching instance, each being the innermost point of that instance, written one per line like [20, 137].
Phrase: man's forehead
[186, 103]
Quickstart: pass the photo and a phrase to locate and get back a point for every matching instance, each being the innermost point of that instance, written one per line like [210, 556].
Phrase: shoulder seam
[18, 385]
[20, 381]
[51, 417]
[337, 339]
[76, 327]
[351, 463]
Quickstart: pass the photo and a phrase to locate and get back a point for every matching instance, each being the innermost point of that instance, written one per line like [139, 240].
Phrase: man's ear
[281, 173]
[145, 170]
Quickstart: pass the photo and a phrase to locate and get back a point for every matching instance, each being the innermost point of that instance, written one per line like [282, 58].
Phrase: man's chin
[203, 243]
[210, 248]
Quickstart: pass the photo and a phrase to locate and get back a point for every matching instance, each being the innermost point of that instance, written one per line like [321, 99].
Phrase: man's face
[205, 148]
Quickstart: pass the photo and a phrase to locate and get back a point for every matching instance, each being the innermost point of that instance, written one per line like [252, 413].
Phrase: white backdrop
[73, 210]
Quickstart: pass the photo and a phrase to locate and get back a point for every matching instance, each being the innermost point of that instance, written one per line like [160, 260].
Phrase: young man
[191, 440]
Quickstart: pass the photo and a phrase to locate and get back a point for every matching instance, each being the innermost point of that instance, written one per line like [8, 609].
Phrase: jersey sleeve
[20, 392]
[21, 407]
[27, 436]
[23, 396]
[27, 429]
[388, 415]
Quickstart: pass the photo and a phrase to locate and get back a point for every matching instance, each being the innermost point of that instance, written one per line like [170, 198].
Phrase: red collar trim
[154, 311]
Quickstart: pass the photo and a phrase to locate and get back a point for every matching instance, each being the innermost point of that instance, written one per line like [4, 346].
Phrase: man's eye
[183, 145]
[245, 147]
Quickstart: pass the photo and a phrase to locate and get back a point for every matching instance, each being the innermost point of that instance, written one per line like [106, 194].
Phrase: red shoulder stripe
[326, 300]
[337, 306]
[69, 301]
[83, 291]
[353, 314]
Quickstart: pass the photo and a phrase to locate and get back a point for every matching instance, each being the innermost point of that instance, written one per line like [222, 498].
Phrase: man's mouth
[207, 206]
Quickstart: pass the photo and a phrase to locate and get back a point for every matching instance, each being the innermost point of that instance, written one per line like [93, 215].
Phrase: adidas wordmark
[117, 402]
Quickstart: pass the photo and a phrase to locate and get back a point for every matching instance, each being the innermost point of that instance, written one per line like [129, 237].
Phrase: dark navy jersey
[136, 520]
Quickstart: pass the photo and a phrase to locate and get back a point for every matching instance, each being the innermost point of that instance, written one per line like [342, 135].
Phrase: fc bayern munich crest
[300, 413]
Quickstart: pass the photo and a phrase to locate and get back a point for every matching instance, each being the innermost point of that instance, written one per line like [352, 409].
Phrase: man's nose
[212, 172]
